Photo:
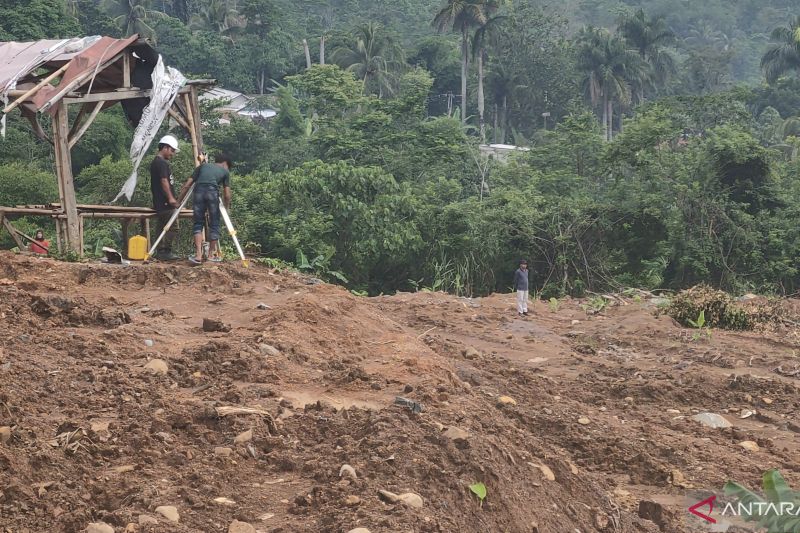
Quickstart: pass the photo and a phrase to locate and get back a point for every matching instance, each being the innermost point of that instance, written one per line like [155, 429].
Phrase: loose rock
[268, 350]
[506, 400]
[149, 343]
[147, 520]
[158, 366]
[547, 472]
[211, 325]
[245, 436]
[349, 471]
[749, 445]
[455, 433]
[409, 498]
[5, 434]
[352, 501]
[359, 530]
[240, 527]
[99, 527]
[224, 501]
[223, 452]
[712, 420]
[471, 353]
[169, 512]
[584, 421]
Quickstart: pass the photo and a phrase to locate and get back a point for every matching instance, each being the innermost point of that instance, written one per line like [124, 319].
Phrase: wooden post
[58, 236]
[126, 69]
[125, 222]
[146, 227]
[80, 231]
[64, 171]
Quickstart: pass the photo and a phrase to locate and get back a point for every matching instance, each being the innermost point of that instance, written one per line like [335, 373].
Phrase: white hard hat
[170, 141]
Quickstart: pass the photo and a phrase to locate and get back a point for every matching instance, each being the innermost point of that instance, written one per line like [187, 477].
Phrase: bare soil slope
[115, 402]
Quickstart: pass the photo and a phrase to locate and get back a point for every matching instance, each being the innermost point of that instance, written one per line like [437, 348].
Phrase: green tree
[134, 16]
[29, 20]
[649, 36]
[609, 70]
[783, 57]
[374, 57]
[483, 33]
[219, 16]
[462, 16]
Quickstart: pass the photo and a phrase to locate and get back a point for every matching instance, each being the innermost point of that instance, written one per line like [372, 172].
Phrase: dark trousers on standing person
[166, 244]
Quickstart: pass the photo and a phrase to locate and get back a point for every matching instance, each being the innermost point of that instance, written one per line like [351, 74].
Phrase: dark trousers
[166, 244]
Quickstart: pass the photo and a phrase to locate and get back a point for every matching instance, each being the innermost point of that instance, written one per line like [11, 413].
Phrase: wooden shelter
[92, 74]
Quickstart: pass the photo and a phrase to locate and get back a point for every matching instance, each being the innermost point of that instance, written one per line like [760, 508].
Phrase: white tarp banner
[166, 84]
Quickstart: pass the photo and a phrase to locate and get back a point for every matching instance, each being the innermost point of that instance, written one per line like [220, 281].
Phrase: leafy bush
[717, 308]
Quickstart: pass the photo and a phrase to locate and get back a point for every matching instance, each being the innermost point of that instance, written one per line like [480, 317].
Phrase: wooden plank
[64, 172]
[58, 236]
[27, 94]
[80, 231]
[73, 139]
[110, 96]
[125, 222]
[13, 232]
[29, 211]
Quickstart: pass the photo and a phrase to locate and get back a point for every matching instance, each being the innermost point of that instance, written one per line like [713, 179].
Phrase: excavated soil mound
[115, 402]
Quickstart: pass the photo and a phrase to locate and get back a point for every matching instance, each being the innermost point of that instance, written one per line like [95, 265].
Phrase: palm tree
[784, 55]
[504, 81]
[649, 36]
[373, 56]
[133, 15]
[219, 16]
[482, 34]
[609, 70]
[461, 16]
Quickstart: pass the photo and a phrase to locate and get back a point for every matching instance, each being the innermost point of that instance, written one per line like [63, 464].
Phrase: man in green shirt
[209, 177]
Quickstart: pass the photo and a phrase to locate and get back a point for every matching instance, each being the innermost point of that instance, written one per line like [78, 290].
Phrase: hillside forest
[658, 139]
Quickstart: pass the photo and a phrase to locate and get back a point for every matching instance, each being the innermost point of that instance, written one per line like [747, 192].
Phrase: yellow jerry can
[137, 248]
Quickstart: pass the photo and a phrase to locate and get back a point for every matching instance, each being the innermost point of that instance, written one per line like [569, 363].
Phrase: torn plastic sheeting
[167, 81]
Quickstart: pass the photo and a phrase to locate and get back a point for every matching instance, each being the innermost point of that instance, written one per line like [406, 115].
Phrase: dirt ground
[114, 402]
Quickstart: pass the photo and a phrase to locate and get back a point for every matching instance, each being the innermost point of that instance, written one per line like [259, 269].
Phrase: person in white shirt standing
[521, 286]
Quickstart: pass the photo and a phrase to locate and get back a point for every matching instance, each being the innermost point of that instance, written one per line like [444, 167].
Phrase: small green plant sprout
[363, 294]
[553, 305]
[700, 326]
[479, 490]
[595, 305]
[701, 320]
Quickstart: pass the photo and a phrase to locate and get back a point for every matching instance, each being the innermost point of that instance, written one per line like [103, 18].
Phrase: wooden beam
[182, 123]
[77, 123]
[109, 96]
[192, 129]
[73, 139]
[126, 69]
[33, 118]
[59, 246]
[194, 100]
[27, 94]
[64, 172]
[13, 232]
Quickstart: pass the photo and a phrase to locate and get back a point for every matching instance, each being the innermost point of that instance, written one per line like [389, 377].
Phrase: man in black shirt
[162, 187]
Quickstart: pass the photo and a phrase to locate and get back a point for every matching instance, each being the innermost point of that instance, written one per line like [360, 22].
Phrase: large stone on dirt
[147, 520]
[349, 471]
[359, 530]
[245, 436]
[99, 527]
[456, 433]
[712, 420]
[5, 434]
[749, 445]
[409, 498]
[211, 325]
[506, 400]
[268, 350]
[240, 527]
[169, 512]
[222, 451]
[157, 366]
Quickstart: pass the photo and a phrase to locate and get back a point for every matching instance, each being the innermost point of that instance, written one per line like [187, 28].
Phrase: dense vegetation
[663, 136]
